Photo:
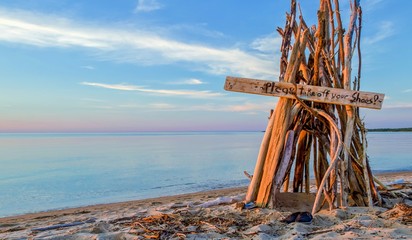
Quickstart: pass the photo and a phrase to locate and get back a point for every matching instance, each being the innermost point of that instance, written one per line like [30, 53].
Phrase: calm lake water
[40, 172]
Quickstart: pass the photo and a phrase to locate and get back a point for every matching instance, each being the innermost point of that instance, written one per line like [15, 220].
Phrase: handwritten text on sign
[305, 92]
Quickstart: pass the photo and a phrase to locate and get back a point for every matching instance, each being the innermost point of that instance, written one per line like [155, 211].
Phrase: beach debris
[127, 219]
[243, 205]
[394, 185]
[184, 223]
[401, 212]
[248, 175]
[239, 205]
[219, 201]
[178, 205]
[63, 225]
[12, 229]
[222, 222]
[397, 181]
[395, 193]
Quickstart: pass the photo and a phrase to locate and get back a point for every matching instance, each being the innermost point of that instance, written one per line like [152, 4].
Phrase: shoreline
[388, 175]
[156, 200]
[215, 214]
[393, 173]
[219, 214]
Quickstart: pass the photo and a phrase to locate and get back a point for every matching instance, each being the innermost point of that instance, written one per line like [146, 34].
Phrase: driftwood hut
[323, 139]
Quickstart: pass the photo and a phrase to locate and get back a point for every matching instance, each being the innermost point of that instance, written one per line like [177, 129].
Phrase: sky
[157, 65]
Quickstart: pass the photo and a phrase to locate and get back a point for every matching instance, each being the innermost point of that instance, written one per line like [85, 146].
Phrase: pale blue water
[390, 151]
[40, 172]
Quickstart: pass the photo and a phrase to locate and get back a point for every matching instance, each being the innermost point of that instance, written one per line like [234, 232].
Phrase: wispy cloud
[128, 106]
[122, 87]
[125, 87]
[88, 67]
[148, 6]
[397, 105]
[130, 45]
[391, 104]
[371, 5]
[162, 106]
[247, 107]
[385, 30]
[407, 90]
[267, 44]
[192, 81]
[195, 29]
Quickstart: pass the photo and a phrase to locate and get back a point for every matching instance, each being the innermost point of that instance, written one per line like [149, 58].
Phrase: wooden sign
[305, 92]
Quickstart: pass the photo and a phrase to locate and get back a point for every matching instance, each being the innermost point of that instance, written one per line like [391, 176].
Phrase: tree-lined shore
[390, 130]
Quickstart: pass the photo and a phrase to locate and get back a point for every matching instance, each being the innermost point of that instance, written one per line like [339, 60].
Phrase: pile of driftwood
[333, 136]
[183, 223]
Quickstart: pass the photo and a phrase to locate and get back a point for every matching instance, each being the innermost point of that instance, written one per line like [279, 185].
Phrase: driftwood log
[331, 136]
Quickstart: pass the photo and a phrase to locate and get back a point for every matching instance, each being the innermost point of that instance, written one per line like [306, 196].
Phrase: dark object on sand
[250, 205]
[298, 217]
[291, 218]
[304, 217]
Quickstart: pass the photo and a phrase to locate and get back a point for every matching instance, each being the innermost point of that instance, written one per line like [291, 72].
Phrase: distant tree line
[390, 130]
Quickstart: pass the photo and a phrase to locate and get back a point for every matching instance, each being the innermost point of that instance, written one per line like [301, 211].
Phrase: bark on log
[284, 165]
[260, 162]
[282, 122]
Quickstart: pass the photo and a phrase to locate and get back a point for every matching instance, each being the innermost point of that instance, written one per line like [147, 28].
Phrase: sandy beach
[220, 214]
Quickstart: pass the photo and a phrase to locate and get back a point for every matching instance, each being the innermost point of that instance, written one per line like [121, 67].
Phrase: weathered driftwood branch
[334, 159]
[257, 174]
[282, 121]
[287, 37]
[350, 120]
[365, 169]
[285, 164]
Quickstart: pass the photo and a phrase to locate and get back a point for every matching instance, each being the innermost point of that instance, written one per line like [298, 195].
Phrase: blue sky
[154, 65]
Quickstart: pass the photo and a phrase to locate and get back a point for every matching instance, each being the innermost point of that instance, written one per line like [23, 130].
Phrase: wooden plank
[305, 92]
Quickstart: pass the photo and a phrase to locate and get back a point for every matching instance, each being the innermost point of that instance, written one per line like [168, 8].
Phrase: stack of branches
[333, 134]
